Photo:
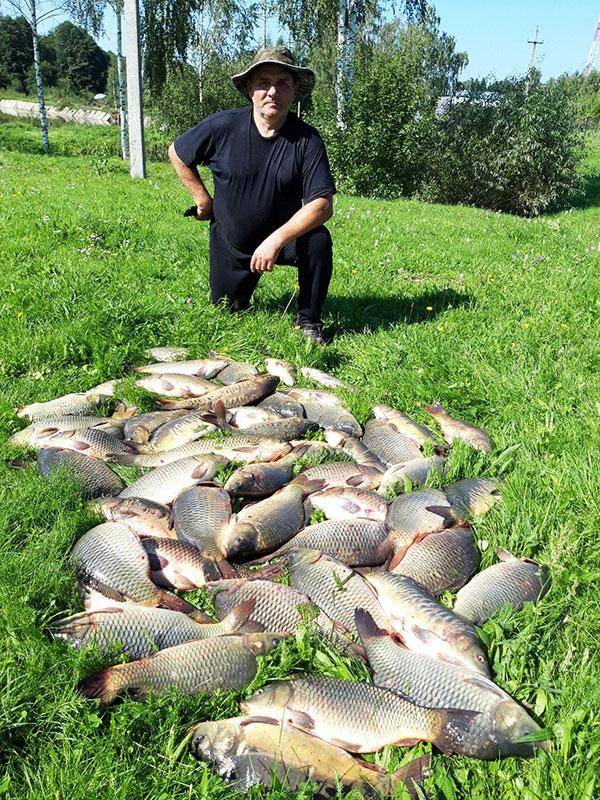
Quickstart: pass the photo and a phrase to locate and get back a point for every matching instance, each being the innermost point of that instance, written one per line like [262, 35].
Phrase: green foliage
[81, 65]
[516, 153]
[16, 53]
[585, 93]
[384, 148]
[186, 99]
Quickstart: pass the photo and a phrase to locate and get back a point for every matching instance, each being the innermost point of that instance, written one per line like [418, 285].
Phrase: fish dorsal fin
[505, 555]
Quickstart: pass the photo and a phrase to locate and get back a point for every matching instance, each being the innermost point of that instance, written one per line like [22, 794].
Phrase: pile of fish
[370, 572]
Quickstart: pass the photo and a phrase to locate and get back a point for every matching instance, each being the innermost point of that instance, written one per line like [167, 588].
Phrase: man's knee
[317, 243]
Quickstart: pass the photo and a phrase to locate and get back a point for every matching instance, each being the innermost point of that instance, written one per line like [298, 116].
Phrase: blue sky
[495, 34]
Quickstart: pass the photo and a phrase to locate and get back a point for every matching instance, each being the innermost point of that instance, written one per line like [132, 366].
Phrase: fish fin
[82, 446]
[123, 412]
[406, 742]
[355, 480]
[125, 459]
[366, 625]
[435, 408]
[240, 615]
[447, 513]
[425, 636]
[175, 603]
[177, 581]
[201, 617]
[220, 413]
[504, 555]
[269, 573]
[104, 685]
[412, 774]
[398, 556]
[309, 486]
[86, 581]
[481, 682]
[262, 720]
[211, 569]
[299, 719]
[166, 402]
[455, 728]
[226, 570]
[351, 747]
[383, 551]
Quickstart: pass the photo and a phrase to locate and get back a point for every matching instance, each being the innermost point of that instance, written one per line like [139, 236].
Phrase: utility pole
[534, 43]
[589, 65]
[264, 22]
[135, 110]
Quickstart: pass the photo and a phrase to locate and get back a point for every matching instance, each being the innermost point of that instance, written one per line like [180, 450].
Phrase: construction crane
[589, 65]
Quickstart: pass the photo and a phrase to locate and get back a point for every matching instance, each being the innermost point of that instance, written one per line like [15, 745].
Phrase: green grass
[495, 316]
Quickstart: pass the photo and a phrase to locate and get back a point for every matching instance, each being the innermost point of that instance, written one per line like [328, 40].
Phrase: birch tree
[90, 14]
[36, 13]
[314, 24]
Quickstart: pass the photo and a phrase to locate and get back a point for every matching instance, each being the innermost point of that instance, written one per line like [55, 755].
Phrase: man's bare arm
[193, 183]
[310, 216]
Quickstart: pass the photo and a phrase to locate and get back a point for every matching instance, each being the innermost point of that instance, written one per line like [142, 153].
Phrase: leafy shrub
[389, 121]
[185, 100]
[517, 153]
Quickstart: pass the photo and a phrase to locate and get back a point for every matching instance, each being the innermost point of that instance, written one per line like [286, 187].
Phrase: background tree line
[510, 144]
[71, 60]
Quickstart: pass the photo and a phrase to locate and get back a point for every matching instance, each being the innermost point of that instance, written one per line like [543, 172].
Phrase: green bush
[516, 153]
[179, 106]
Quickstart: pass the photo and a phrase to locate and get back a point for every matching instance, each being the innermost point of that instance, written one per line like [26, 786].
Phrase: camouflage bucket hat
[281, 57]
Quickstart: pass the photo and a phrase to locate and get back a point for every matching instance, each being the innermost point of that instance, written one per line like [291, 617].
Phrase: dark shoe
[311, 330]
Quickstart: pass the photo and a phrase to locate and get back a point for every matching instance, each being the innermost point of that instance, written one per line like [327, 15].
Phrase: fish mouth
[244, 708]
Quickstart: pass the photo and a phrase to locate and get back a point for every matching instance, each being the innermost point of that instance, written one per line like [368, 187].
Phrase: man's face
[272, 91]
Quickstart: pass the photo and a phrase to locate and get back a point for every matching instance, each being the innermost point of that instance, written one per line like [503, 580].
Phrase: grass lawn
[495, 316]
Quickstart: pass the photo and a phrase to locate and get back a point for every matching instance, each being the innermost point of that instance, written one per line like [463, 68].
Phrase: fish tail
[411, 774]
[455, 730]
[72, 629]
[105, 685]
[435, 409]
[123, 412]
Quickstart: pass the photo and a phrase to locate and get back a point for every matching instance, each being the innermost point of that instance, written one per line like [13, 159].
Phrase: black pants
[231, 278]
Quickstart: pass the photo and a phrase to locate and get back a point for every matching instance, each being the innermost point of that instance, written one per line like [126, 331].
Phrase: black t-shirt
[259, 183]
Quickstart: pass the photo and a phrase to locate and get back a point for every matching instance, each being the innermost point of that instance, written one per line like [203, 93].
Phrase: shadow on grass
[356, 314]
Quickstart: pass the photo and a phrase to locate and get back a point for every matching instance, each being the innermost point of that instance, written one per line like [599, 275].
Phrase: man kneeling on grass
[273, 188]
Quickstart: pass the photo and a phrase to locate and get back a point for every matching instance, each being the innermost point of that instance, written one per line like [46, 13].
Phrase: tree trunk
[264, 22]
[200, 56]
[38, 76]
[345, 58]
[121, 76]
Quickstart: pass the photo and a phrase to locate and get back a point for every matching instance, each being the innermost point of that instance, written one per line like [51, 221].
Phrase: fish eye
[258, 692]
[481, 659]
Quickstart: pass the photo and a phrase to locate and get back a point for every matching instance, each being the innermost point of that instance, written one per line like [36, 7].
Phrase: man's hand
[265, 255]
[203, 206]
